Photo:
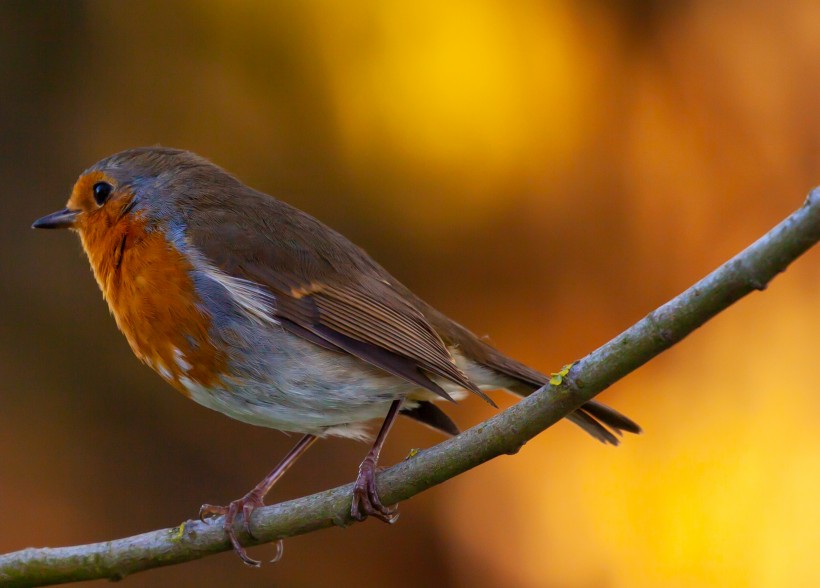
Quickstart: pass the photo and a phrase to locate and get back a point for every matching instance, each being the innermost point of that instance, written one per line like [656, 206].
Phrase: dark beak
[62, 219]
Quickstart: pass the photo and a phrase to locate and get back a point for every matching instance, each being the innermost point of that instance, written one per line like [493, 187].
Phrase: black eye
[102, 190]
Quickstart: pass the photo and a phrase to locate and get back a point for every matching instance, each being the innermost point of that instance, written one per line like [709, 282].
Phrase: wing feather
[326, 289]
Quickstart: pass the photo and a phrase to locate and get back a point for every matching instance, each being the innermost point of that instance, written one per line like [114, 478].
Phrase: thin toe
[209, 511]
[246, 505]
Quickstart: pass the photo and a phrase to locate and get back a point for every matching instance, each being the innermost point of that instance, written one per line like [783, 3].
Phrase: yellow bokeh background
[546, 173]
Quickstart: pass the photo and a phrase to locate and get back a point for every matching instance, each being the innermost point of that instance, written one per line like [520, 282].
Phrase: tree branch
[505, 433]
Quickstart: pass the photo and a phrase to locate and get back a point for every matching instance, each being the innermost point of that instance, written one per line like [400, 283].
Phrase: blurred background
[544, 172]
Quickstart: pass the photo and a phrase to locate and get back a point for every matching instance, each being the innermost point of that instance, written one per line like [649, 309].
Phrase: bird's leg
[253, 499]
[366, 500]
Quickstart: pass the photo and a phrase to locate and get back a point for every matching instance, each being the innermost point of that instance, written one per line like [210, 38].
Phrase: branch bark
[505, 433]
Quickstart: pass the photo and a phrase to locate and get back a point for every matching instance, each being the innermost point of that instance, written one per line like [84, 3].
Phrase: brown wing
[327, 290]
[371, 321]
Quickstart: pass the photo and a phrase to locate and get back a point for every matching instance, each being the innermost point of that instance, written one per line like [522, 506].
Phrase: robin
[255, 309]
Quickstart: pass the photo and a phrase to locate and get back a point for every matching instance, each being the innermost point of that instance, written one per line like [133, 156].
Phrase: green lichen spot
[557, 378]
[177, 532]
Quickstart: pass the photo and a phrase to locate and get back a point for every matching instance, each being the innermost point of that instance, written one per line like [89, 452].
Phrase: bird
[253, 308]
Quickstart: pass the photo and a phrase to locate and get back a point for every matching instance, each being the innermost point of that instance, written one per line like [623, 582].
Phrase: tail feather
[588, 423]
[602, 422]
[611, 417]
[431, 415]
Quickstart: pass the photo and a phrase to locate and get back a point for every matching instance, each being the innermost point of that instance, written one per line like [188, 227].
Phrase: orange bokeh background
[544, 172]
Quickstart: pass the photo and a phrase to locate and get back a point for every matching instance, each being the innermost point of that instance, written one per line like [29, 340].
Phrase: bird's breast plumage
[149, 286]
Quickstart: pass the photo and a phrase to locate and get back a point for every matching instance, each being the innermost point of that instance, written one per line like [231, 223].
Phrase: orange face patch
[146, 282]
[82, 197]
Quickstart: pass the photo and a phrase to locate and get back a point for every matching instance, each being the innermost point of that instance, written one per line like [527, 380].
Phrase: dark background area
[544, 172]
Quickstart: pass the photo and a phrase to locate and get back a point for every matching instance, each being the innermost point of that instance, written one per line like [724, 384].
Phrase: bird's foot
[246, 505]
[366, 501]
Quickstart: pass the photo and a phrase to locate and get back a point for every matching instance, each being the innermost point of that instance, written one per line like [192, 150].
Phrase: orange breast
[147, 284]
